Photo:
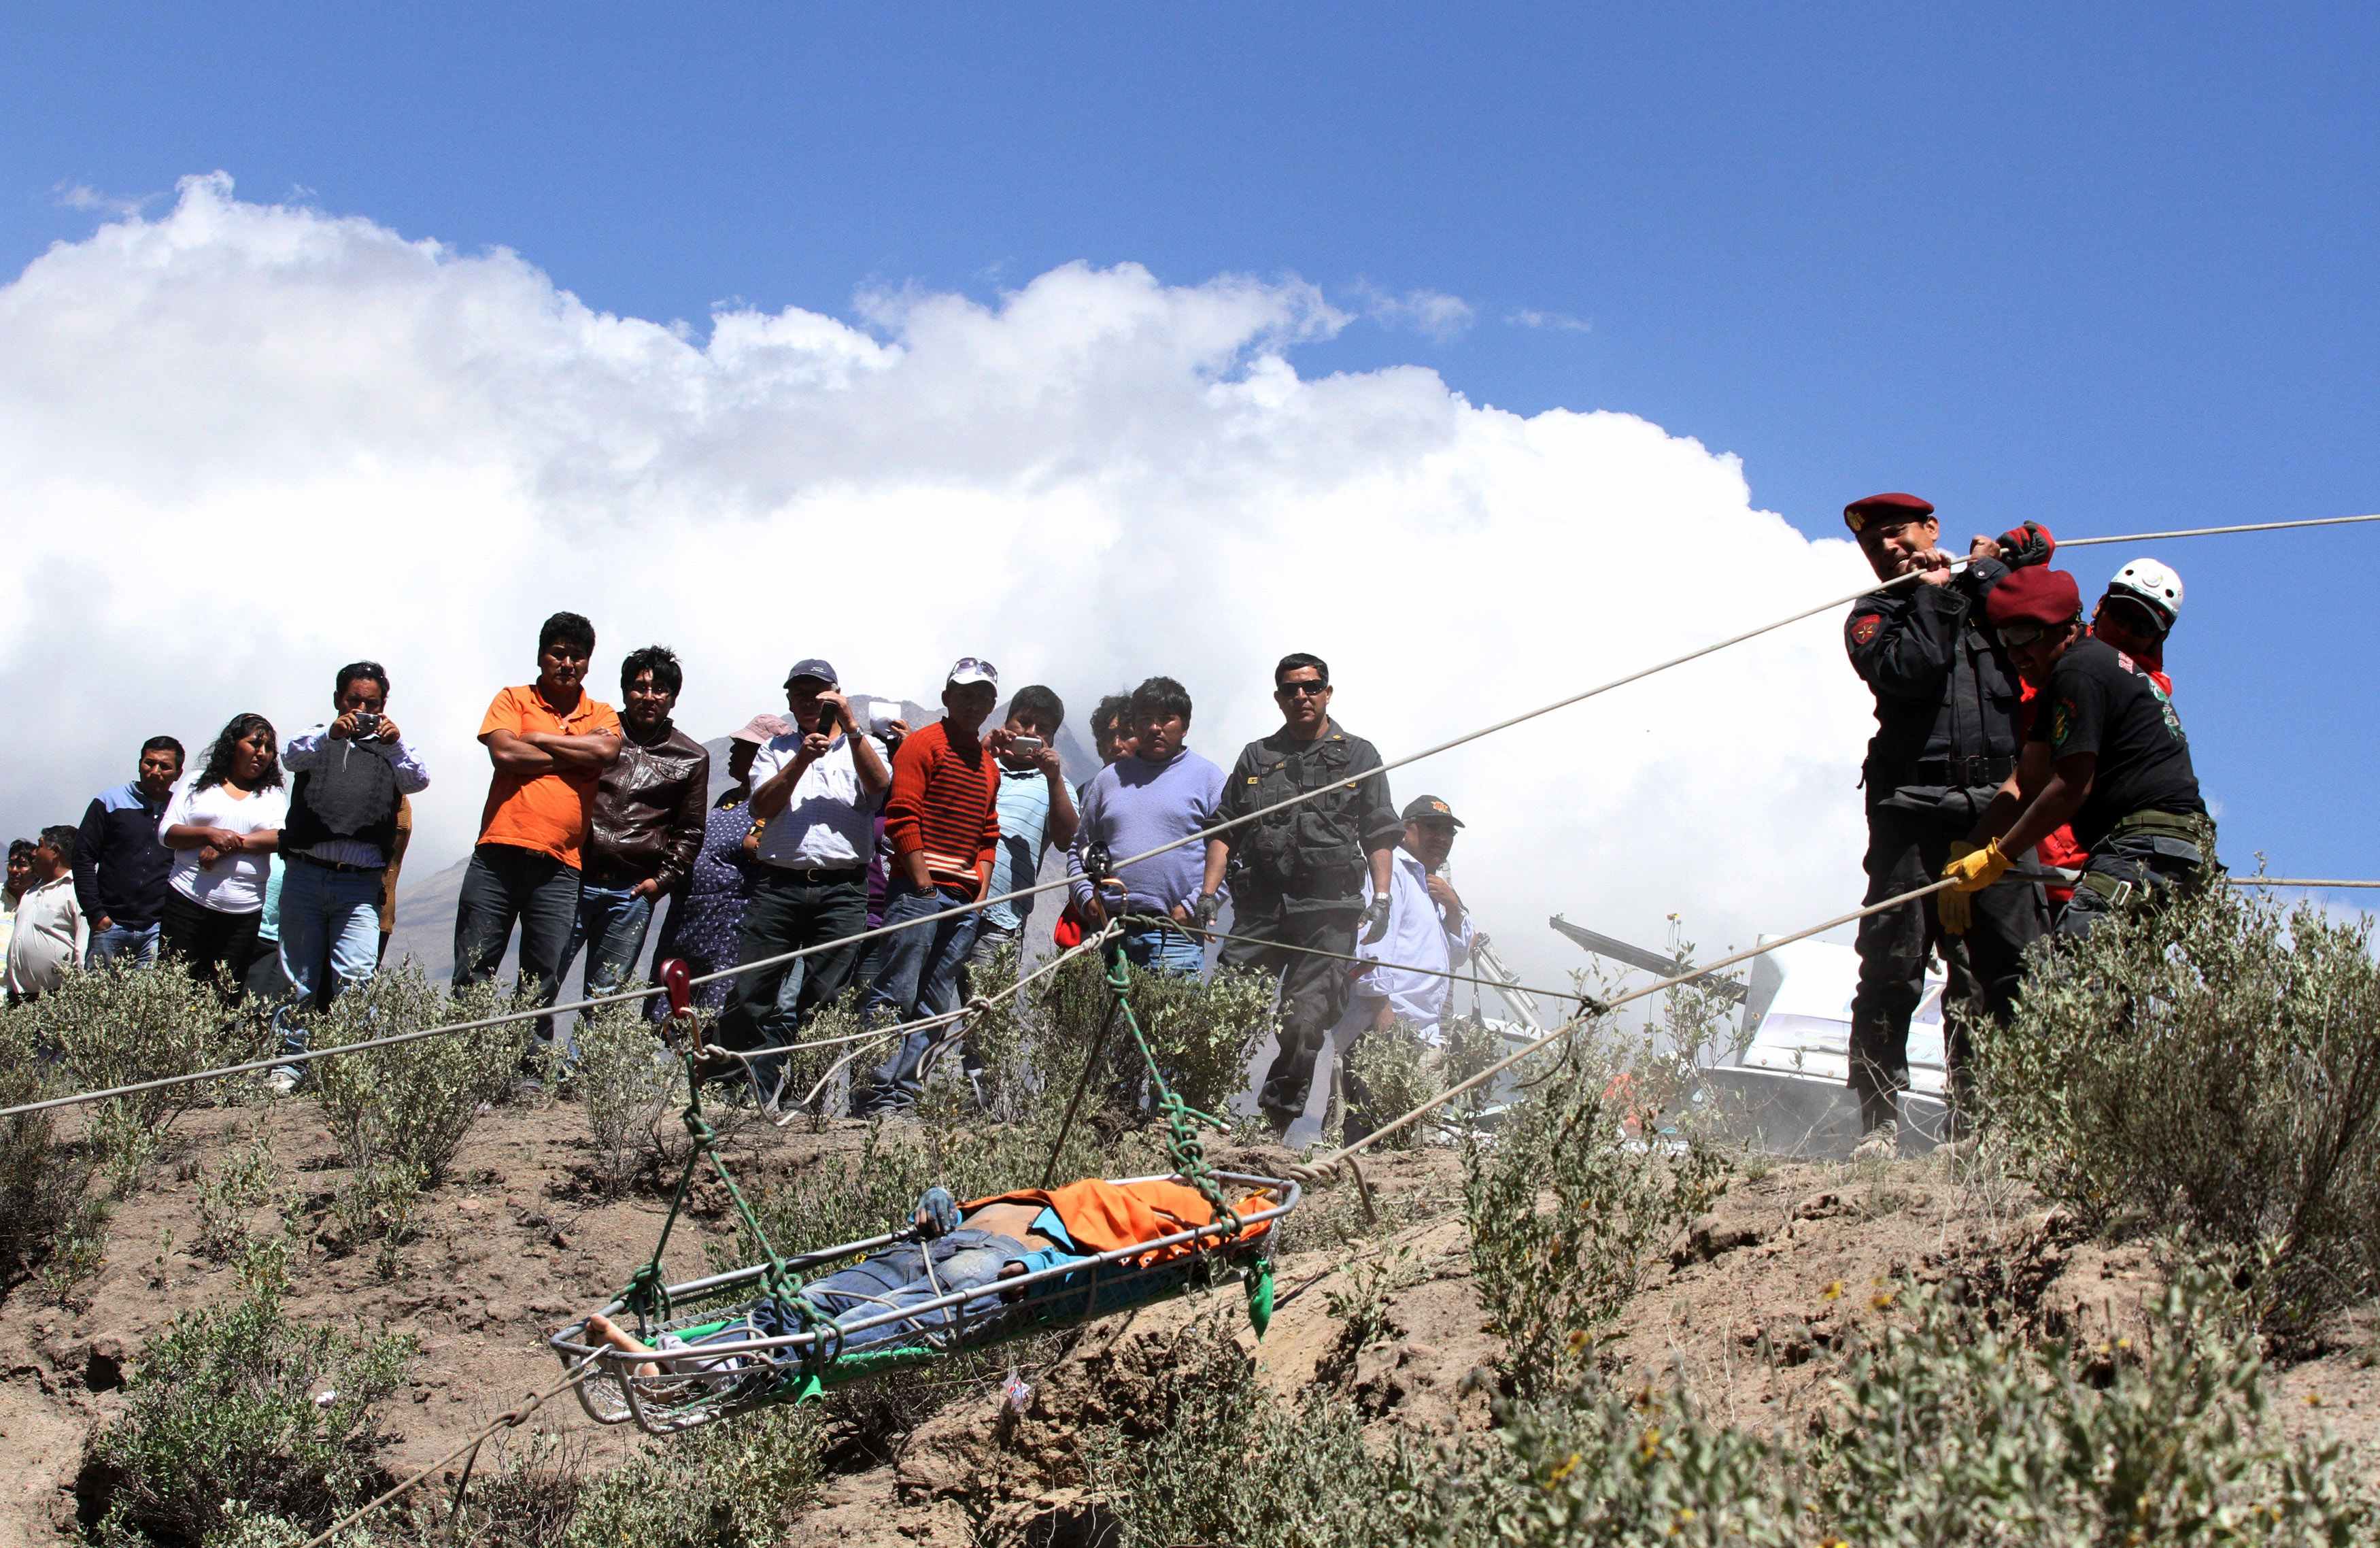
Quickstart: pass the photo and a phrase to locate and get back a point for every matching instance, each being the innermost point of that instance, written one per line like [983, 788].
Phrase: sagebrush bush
[1942, 1432]
[733, 1483]
[240, 1403]
[404, 1110]
[736, 1483]
[119, 1026]
[1568, 1211]
[1201, 1034]
[1212, 1456]
[240, 1184]
[2210, 1064]
[633, 1090]
[1397, 1072]
[50, 1217]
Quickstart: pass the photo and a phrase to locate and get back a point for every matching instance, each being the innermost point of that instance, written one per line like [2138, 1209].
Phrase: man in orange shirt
[549, 743]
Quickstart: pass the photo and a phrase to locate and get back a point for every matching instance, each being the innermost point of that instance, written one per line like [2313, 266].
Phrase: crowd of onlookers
[271, 868]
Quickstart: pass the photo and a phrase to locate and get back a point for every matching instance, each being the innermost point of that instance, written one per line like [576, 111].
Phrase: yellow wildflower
[1834, 1290]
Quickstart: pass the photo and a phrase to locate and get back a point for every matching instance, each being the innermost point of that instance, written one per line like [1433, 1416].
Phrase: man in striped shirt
[942, 822]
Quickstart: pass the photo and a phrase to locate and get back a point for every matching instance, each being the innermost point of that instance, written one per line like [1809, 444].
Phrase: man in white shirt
[817, 791]
[1428, 928]
[51, 934]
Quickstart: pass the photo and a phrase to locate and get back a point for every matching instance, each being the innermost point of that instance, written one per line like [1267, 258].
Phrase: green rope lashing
[1183, 1143]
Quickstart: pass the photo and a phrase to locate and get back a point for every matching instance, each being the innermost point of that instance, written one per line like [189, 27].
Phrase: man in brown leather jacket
[650, 807]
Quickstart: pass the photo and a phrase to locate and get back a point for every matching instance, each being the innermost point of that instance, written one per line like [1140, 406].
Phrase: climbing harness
[715, 1361]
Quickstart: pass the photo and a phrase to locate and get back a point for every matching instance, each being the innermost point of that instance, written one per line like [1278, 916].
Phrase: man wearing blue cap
[817, 790]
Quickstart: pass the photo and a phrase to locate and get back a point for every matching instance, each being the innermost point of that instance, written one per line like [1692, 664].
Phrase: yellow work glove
[1977, 868]
[1955, 909]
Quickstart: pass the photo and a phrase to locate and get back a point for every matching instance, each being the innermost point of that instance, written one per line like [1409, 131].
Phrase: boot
[1880, 1144]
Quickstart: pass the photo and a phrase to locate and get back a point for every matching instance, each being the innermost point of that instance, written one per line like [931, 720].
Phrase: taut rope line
[1200, 837]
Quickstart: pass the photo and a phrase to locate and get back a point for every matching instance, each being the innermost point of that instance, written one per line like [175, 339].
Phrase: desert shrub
[240, 1184]
[1943, 1433]
[119, 1026]
[1397, 1074]
[1211, 1457]
[239, 1402]
[1201, 1034]
[50, 1218]
[405, 1109]
[1567, 1214]
[2209, 1064]
[1470, 1047]
[633, 1090]
[735, 1483]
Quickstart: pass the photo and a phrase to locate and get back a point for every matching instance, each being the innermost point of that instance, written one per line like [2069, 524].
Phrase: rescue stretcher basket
[694, 1387]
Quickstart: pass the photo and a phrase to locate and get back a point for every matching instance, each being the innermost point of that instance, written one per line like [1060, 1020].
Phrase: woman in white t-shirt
[222, 826]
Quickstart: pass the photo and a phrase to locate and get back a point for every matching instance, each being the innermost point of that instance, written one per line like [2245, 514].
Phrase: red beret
[1901, 508]
[2035, 594]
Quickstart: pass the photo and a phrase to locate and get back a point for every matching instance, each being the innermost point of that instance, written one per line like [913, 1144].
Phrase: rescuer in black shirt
[1947, 700]
[2106, 751]
[1298, 875]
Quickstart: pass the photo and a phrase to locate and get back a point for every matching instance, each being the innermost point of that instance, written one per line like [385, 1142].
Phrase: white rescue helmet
[2152, 585]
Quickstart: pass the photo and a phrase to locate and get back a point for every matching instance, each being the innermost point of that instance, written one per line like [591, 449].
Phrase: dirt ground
[521, 1242]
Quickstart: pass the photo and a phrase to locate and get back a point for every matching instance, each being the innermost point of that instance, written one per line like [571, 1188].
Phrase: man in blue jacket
[120, 864]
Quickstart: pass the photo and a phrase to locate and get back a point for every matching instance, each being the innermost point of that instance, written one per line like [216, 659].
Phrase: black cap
[1425, 807]
[813, 668]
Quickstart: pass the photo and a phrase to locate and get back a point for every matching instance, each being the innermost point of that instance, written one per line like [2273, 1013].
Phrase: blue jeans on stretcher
[895, 1277]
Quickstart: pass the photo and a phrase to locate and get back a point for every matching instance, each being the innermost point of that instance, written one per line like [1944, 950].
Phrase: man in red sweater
[942, 822]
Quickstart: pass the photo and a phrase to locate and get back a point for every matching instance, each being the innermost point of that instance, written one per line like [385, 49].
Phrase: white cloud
[1558, 322]
[243, 443]
[1431, 313]
[82, 196]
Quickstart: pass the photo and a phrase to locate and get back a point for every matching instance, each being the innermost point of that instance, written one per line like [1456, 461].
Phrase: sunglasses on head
[1302, 689]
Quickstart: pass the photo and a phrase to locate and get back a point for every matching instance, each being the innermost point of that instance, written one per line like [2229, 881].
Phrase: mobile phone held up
[1027, 747]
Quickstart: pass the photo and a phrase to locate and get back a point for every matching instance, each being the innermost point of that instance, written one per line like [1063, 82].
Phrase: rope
[1316, 1172]
[1183, 1143]
[981, 1002]
[510, 1419]
[1194, 932]
[2315, 882]
[1200, 837]
[2219, 531]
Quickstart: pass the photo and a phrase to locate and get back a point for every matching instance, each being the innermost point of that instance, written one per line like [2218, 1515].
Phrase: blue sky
[2113, 270]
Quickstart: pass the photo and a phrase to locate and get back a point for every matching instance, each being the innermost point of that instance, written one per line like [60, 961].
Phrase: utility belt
[1983, 768]
[2190, 827]
[2184, 841]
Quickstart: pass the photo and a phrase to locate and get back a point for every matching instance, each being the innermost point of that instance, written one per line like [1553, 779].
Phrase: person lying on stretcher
[1002, 1238]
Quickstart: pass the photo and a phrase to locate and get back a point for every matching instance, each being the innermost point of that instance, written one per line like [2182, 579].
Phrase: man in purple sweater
[1158, 792]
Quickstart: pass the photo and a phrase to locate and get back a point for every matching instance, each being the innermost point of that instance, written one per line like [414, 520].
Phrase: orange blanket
[1102, 1216]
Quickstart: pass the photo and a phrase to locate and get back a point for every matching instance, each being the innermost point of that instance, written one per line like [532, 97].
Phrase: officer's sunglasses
[2018, 636]
[1302, 690]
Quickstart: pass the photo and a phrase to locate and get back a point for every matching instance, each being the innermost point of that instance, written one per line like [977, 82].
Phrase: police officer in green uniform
[1946, 735]
[1297, 876]
[2106, 751]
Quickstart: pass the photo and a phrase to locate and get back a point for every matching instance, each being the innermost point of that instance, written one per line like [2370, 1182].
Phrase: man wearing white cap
[942, 822]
